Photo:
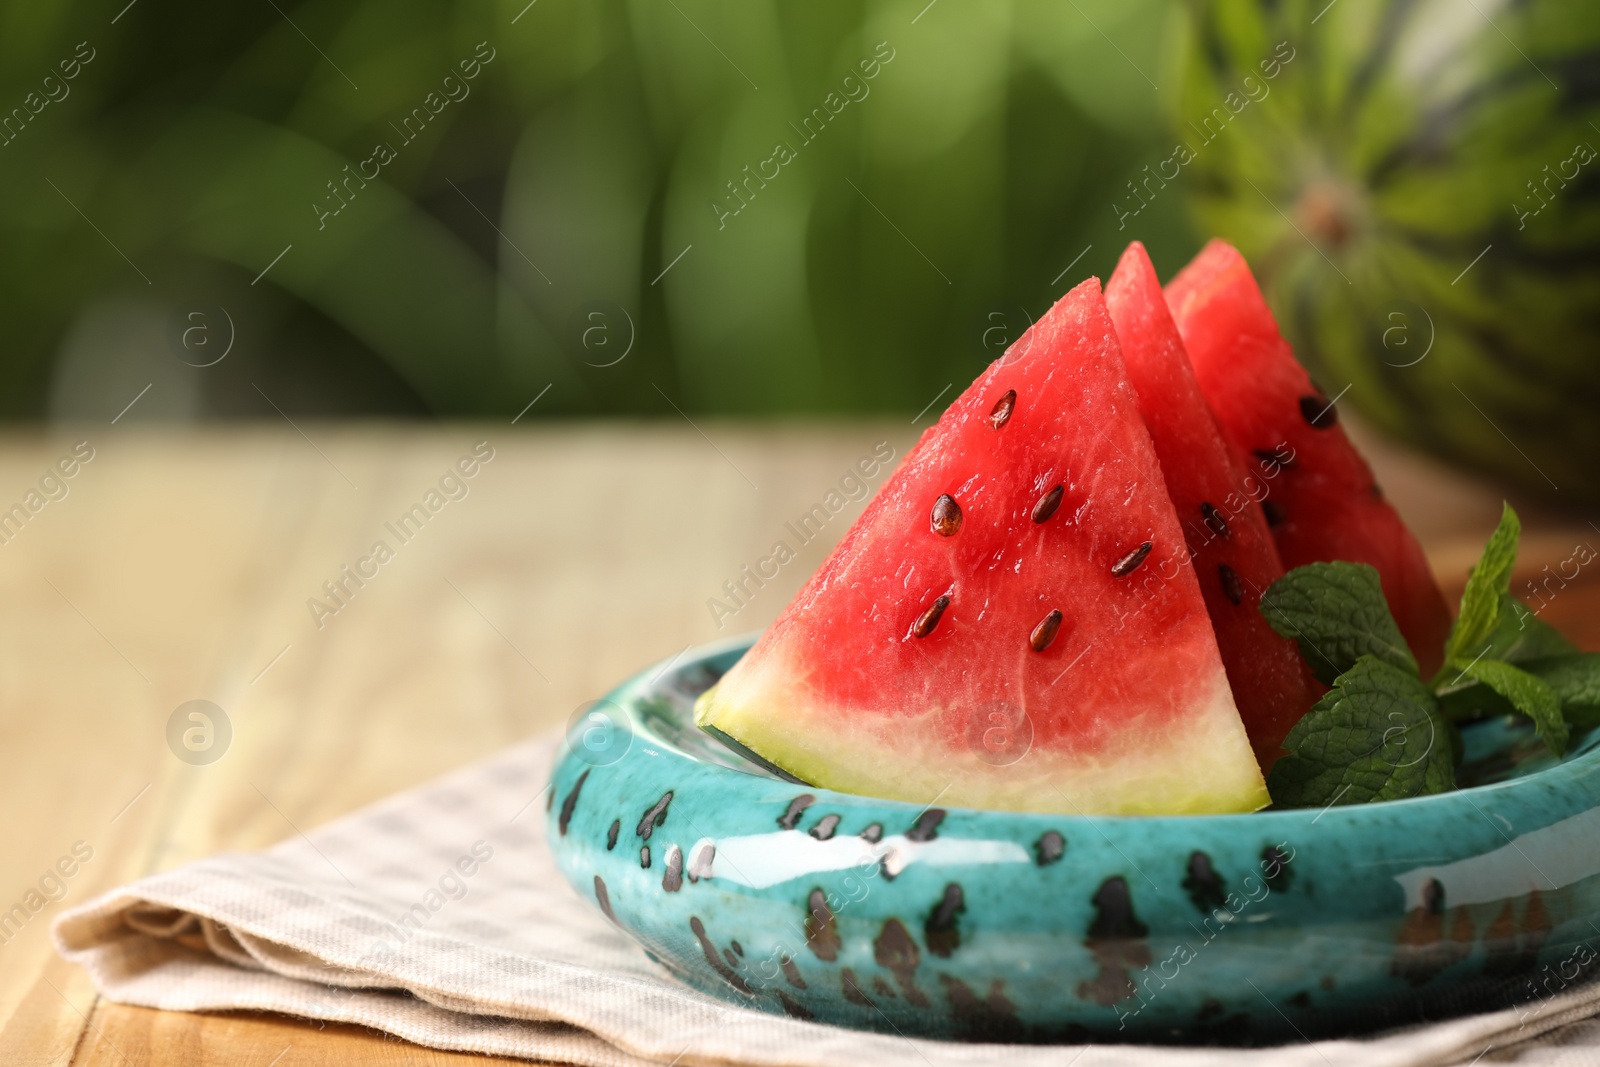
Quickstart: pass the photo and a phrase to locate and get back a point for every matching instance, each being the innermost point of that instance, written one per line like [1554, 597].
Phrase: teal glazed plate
[1006, 926]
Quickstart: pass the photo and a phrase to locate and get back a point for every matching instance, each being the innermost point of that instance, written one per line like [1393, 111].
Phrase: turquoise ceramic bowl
[993, 925]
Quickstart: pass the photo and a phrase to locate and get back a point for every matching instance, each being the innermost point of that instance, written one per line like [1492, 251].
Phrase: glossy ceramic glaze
[1004, 926]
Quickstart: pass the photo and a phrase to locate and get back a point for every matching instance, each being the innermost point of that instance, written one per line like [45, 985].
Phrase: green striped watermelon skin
[1383, 185]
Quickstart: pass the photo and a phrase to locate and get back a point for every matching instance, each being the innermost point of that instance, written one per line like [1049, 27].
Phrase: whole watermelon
[1418, 184]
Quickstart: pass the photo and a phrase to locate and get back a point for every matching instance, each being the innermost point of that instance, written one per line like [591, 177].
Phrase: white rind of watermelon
[1204, 766]
[1119, 706]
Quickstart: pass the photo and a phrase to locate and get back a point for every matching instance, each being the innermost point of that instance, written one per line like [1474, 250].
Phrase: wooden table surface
[179, 564]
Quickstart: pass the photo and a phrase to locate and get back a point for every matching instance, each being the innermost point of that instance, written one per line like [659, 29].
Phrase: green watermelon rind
[1427, 161]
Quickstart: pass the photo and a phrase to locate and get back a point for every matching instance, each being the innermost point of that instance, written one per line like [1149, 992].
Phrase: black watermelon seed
[1050, 847]
[727, 954]
[1130, 563]
[1232, 587]
[611, 834]
[1272, 511]
[734, 944]
[1002, 409]
[825, 827]
[926, 827]
[945, 519]
[1273, 457]
[569, 805]
[1047, 504]
[1045, 632]
[873, 833]
[1214, 520]
[1318, 411]
[929, 619]
[791, 815]
[644, 857]
[672, 877]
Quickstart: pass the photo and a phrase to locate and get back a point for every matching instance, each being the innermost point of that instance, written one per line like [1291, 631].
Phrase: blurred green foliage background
[534, 222]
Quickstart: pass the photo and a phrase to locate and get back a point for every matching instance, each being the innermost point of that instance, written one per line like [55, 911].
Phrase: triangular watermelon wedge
[1010, 623]
[1324, 503]
[1217, 503]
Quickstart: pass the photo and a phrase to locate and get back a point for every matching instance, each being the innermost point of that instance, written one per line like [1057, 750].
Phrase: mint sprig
[1376, 735]
[1481, 603]
[1336, 613]
[1526, 693]
[1364, 740]
[1521, 635]
[1575, 679]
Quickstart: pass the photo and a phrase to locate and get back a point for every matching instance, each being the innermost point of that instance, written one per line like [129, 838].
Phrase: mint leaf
[1377, 735]
[1521, 635]
[1529, 695]
[1522, 639]
[1336, 613]
[1489, 582]
[1471, 700]
[1575, 679]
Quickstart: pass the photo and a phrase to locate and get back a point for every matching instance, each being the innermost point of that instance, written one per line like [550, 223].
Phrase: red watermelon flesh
[1322, 502]
[1231, 547]
[1009, 623]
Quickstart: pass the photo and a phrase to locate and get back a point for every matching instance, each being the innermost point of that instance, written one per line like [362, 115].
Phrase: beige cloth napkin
[439, 916]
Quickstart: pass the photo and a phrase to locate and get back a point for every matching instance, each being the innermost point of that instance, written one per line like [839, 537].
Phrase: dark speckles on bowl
[822, 935]
[1007, 926]
[926, 827]
[672, 877]
[1203, 884]
[1050, 847]
[825, 827]
[569, 805]
[896, 952]
[796, 808]
[940, 932]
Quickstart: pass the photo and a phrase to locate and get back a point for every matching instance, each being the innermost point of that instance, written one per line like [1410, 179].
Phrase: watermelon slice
[1322, 502]
[1231, 547]
[1009, 624]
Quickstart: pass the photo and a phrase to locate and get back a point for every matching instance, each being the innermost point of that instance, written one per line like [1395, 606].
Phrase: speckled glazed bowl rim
[1552, 773]
[1396, 912]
